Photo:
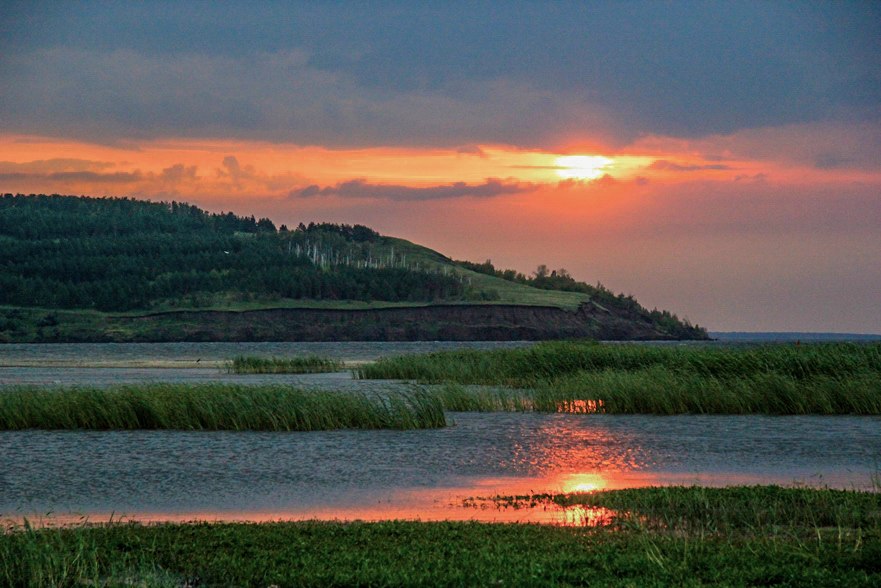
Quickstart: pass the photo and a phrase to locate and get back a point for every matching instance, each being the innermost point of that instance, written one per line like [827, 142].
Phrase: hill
[79, 268]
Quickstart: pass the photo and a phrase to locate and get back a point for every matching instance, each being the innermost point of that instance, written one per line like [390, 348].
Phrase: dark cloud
[87, 176]
[471, 150]
[663, 164]
[360, 188]
[758, 178]
[45, 166]
[831, 161]
[179, 172]
[51, 174]
[342, 74]
[77, 176]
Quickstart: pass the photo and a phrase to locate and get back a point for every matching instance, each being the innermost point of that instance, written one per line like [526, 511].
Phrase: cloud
[76, 176]
[823, 146]
[179, 172]
[360, 188]
[665, 165]
[340, 74]
[832, 161]
[47, 166]
[471, 150]
[280, 96]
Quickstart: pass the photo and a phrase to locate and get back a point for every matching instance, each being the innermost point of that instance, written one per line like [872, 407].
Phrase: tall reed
[215, 407]
[553, 359]
[282, 365]
[591, 377]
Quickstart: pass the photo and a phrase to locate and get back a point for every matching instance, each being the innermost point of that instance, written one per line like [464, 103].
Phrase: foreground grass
[803, 538]
[214, 407]
[278, 365]
[592, 377]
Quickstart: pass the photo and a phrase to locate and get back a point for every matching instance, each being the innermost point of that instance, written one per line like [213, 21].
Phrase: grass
[830, 379]
[768, 510]
[277, 365]
[702, 537]
[214, 407]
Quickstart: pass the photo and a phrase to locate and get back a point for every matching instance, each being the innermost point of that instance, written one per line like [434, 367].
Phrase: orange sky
[644, 219]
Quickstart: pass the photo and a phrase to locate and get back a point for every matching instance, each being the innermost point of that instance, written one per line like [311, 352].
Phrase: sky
[718, 159]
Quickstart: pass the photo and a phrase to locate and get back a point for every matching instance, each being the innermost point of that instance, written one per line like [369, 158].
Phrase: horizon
[719, 161]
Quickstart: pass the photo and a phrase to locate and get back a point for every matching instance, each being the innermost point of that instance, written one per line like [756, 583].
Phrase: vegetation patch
[591, 377]
[706, 537]
[67, 262]
[763, 510]
[214, 407]
[279, 365]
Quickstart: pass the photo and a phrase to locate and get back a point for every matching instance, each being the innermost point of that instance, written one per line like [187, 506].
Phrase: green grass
[214, 407]
[278, 365]
[626, 379]
[766, 510]
[703, 537]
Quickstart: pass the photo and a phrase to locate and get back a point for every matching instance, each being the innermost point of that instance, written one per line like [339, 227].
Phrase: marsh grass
[278, 365]
[769, 379]
[756, 510]
[215, 407]
[674, 536]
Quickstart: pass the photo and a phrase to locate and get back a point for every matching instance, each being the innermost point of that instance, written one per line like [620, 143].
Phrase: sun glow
[583, 483]
[582, 167]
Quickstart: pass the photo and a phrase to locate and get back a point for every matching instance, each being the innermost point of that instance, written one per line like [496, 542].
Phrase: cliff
[438, 322]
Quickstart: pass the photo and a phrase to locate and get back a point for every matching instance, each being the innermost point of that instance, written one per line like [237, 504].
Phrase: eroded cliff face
[441, 322]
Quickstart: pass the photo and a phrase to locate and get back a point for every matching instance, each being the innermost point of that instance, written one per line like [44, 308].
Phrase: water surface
[175, 475]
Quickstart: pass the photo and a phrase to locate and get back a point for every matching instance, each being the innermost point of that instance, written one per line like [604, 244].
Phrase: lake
[427, 474]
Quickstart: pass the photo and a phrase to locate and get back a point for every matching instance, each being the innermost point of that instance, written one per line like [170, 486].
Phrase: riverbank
[673, 536]
[433, 322]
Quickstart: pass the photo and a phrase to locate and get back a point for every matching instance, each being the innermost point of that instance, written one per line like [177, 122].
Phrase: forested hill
[119, 254]
[122, 254]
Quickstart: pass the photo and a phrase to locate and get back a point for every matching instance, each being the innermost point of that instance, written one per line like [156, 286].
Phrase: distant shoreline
[790, 336]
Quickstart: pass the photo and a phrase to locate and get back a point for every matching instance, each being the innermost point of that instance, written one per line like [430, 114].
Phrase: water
[418, 474]
[79, 353]
[371, 475]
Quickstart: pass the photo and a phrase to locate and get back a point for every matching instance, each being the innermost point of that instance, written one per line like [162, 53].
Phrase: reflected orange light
[475, 501]
[581, 406]
[583, 483]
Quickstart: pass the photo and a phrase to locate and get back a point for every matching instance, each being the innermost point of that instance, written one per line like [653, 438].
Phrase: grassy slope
[509, 293]
[21, 324]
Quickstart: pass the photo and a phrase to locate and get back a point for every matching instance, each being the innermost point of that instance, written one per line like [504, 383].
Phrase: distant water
[788, 337]
[346, 350]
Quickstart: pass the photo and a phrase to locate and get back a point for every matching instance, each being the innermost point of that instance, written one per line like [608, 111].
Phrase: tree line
[118, 254]
[559, 279]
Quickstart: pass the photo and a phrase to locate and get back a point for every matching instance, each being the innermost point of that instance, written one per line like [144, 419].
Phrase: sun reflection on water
[581, 406]
[582, 483]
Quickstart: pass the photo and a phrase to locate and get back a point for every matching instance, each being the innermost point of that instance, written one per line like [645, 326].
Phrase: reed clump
[830, 379]
[282, 365]
[215, 407]
[756, 510]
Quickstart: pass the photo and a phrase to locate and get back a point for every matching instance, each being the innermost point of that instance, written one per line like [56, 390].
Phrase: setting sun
[581, 167]
[583, 483]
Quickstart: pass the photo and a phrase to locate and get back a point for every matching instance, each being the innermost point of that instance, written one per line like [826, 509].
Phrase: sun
[583, 483]
[581, 167]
